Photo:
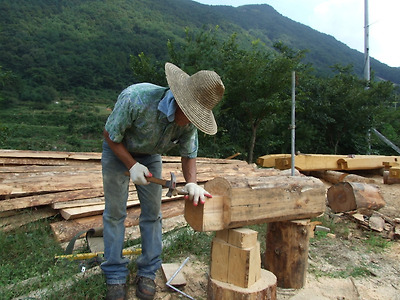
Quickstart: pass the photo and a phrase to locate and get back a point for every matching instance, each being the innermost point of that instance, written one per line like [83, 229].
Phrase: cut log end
[349, 196]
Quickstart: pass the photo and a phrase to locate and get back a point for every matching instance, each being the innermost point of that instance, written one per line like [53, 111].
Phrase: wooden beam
[268, 161]
[314, 162]
[238, 201]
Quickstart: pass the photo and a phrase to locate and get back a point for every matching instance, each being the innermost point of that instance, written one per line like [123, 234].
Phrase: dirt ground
[383, 282]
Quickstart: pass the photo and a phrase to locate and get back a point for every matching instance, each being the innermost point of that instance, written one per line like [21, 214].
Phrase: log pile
[70, 184]
[350, 195]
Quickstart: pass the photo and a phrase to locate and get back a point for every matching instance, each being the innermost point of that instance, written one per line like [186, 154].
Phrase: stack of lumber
[70, 184]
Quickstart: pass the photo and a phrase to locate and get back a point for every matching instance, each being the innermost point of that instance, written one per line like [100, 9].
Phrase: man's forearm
[189, 169]
[120, 151]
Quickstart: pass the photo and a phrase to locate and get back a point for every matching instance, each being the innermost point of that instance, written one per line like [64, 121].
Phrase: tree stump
[263, 289]
[286, 252]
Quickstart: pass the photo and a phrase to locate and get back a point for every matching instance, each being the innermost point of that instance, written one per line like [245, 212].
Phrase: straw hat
[196, 95]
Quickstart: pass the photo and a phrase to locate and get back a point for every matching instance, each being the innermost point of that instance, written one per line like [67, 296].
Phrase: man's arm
[189, 169]
[137, 171]
[120, 151]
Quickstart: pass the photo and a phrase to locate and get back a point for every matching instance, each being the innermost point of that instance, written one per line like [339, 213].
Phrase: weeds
[346, 255]
[376, 243]
[27, 258]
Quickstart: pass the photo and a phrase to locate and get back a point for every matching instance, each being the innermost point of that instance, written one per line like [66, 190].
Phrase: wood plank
[10, 223]
[66, 230]
[50, 154]
[35, 169]
[78, 203]
[100, 200]
[50, 184]
[46, 199]
[92, 210]
[168, 270]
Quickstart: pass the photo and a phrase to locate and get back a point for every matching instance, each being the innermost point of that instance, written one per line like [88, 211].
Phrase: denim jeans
[116, 187]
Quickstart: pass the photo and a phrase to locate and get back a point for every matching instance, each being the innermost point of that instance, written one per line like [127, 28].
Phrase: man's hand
[139, 173]
[196, 193]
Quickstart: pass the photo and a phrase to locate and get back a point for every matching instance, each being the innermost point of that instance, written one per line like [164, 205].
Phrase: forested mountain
[66, 45]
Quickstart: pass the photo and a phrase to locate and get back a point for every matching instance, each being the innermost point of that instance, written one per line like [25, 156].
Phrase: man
[149, 120]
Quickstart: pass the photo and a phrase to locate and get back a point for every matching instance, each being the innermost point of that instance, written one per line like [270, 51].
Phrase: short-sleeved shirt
[137, 122]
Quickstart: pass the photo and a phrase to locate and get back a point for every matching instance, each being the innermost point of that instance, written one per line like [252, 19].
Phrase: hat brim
[198, 115]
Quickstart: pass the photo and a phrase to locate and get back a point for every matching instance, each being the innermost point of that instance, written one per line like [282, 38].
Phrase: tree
[256, 81]
[339, 111]
[147, 69]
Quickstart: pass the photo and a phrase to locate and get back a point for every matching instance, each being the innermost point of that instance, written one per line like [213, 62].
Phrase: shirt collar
[167, 106]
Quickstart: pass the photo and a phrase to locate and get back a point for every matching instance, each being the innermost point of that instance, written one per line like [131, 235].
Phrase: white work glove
[139, 173]
[196, 193]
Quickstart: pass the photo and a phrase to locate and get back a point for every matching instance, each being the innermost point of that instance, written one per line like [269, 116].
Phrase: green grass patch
[377, 243]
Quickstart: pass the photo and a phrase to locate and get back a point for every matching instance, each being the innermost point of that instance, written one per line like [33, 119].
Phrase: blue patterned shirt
[137, 122]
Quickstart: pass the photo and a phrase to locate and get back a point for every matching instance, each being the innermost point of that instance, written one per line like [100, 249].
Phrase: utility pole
[293, 126]
[367, 74]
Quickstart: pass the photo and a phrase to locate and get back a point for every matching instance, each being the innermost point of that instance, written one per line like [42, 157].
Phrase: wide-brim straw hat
[196, 95]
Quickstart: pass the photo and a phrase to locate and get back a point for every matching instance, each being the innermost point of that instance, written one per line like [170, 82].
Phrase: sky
[344, 20]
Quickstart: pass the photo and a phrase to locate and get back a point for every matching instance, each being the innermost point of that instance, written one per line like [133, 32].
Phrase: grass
[27, 262]
[27, 258]
[347, 256]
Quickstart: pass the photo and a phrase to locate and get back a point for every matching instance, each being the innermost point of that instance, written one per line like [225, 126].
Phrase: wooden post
[236, 268]
[286, 252]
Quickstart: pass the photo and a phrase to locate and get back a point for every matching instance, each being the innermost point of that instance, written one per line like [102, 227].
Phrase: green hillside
[68, 45]
[63, 63]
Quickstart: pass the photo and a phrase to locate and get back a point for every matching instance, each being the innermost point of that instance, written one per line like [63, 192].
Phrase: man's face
[180, 117]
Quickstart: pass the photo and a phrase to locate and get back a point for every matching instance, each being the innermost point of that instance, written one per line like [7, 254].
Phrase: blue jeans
[116, 186]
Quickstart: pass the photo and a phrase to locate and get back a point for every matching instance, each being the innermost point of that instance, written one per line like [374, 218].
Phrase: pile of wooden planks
[47, 183]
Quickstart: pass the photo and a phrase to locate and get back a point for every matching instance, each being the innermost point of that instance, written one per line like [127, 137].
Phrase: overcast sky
[344, 19]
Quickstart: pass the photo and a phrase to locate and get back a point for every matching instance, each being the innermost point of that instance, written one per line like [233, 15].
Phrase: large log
[336, 177]
[286, 252]
[349, 196]
[242, 201]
